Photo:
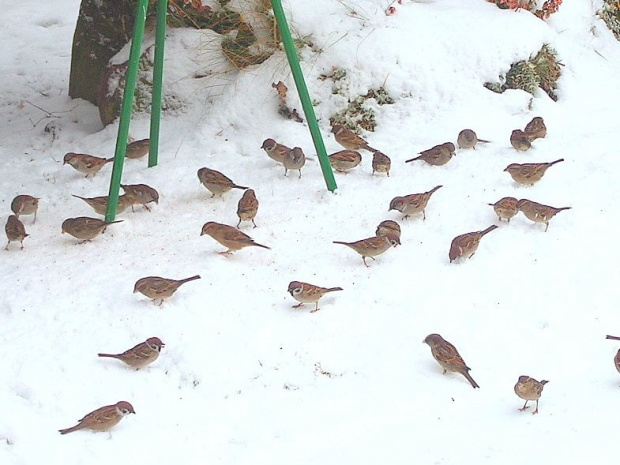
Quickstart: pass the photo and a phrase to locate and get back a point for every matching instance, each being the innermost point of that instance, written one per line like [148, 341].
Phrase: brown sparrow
[85, 228]
[388, 227]
[448, 357]
[25, 205]
[102, 419]
[295, 159]
[247, 207]
[437, 155]
[412, 203]
[86, 164]
[467, 139]
[537, 212]
[15, 231]
[535, 129]
[229, 237]
[137, 148]
[275, 150]
[306, 293]
[529, 173]
[519, 140]
[466, 245]
[529, 389]
[140, 355]
[140, 194]
[216, 182]
[157, 288]
[100, 204]
[381, 163]
[505, 208]
[349, 140]
[345, 160]
[372, 246]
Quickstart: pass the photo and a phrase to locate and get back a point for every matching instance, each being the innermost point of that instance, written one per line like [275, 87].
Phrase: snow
[244, 378]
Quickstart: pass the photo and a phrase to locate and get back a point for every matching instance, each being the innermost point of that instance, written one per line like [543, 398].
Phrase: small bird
[140, 355]
[345, 160]
[467, 139]
[86, 164]
[102, 419]
[100, 204]
[85, 228]
[275, 150]
[294, 160]
[372, 246]
[349, 140]
[412, 203]
[381, 163]
[529, 173]
[448, 357]
[137, 148]
[247, 207]
[141, 194]
[505, 208]
[157, 288]
[519, 140]
[466, 245]
[617, 360]
[15, 231]
[388, 227]
[535, 129]
[437, 155]
[537, 212]
[216, 182]
[529, 389]
[306, 293]
[25, 205]
[229, 237]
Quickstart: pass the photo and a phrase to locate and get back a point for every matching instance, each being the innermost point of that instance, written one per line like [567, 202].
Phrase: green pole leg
[158, 74]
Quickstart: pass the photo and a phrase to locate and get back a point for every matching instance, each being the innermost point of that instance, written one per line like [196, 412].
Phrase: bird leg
[316, 308]
[298, 305]
[253, 222]
[226, 252]
[524, 406]
[535, 411]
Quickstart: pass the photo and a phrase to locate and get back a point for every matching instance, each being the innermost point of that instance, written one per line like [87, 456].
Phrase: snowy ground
[244, 378]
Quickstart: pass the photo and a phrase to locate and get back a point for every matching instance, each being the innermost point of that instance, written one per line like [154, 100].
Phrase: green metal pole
[158, 75]
[123, 125]
[304, 96]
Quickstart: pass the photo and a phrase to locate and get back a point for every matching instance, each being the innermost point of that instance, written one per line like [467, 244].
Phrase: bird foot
[298, 305]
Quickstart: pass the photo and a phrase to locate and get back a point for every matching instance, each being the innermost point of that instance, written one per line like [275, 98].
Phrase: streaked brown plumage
[100, 204]
[85, 228]
[137, 148]
[103, 418]
[15, 231]
[466, 244]
[349, 140]
[437, 155]
[529, 173]
[505, 208]
[140, 194]
[247, 207]
[467, 139]
[529, 389]
[519, 140]
[158, 288]
[381, 163]
[372, 246]
[141, 354]
[216, 182]
[275, 150]
[535, 129]
[229, 236]
[412, 203]
[538, 212]
[388, 227]
[294, 160]
[85, 164]
[345, 160]
[25, 204]
[306, 293]
[448, 357]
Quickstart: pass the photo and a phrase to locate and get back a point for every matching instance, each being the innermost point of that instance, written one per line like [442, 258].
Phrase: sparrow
[274, 150]
[467, 139]
[86, 164]
[216, 182]
[617, 361]
[412, 203]
[85, 228]
[505, 208]
[229, 237]
[140, 355]
[529, 173]
[100, 204]
[137, 148]
[247, 207]
[295, 159]
[157, 288]
[537, 212]
[372, 246]
[519, 140]
[535, 129]
[529, 389]
[466, 245]
[437, 155]
[102, 419]
[448, 357]
[15, 231]
[306, 293]
[349, 140]
[381, 163]
[25, 205]
[140, 194]
[345, 160]
[388, 227]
